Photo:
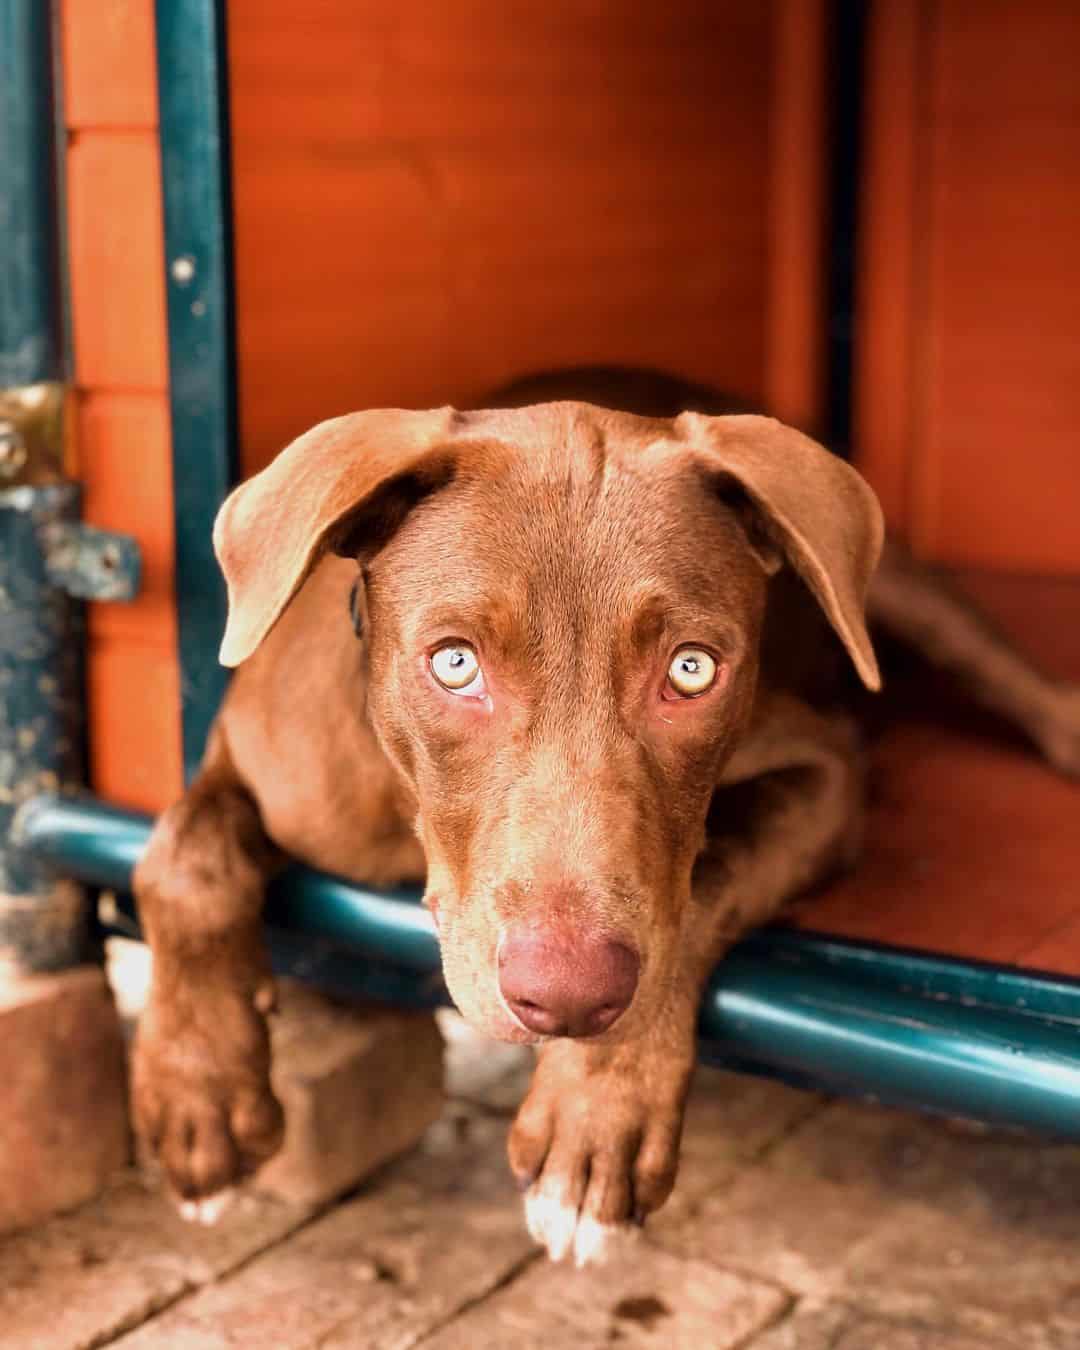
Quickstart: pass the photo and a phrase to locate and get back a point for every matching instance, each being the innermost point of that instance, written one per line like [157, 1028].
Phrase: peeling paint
[48, 559]
[41, 676]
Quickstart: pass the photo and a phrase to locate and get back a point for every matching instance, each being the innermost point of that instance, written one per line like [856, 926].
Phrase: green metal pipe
[100, 844]
[989, 1043]
[805, 1021]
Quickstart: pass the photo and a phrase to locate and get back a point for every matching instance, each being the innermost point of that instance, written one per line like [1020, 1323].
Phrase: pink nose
[562, 984]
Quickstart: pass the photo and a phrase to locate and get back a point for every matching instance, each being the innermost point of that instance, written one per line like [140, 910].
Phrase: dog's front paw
[595, 1146]
[201, 1096]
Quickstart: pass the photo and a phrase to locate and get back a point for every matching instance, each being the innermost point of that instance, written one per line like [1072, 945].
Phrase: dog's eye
[455, 666]
[692, 671]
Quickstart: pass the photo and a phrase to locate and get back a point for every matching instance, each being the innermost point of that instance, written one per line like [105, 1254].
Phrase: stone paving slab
[837, 1327]
[987, 1175]
[432, 1235]
[81, 1279]
[647, 1298]
[731, 1120]
[983, 1229]
[798, 1225]
[992, 1279]
[975, 1233]
[798, 1231]
[63, 1093]
[358, 1083]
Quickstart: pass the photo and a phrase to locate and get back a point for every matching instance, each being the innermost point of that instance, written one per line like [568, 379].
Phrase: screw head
[183, 269]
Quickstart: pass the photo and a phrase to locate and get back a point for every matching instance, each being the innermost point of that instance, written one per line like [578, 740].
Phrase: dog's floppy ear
[817, 510]
[273, 529]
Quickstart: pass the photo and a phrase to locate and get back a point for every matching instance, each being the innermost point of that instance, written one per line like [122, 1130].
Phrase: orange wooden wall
[431, 199]
[122, 412]
[968, 377]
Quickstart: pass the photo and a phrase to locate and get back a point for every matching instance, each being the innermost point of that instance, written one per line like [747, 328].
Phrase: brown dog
[581, 630]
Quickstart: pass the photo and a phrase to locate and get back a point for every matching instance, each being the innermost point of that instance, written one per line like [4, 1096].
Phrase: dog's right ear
[273, 529]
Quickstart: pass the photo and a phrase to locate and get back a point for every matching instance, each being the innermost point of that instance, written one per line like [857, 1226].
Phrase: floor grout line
[506, 1279]
[782, 1315]
[193, 1287]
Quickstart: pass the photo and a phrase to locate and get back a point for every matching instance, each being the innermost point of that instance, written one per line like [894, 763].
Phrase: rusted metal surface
[91, 564]
[47, 559]
[31, 435]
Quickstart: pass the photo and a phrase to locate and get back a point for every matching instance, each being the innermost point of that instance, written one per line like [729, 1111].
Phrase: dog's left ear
[821, 515]
[272, 530]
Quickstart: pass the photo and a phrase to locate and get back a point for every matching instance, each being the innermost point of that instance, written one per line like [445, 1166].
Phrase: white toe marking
[550, 1221]
[562, 1230]
[597, 1243]
[208, 1210]
[592, 1241]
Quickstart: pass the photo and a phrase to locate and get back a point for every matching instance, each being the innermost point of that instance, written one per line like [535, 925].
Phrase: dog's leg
[596, 1140]
[915, 604]
[200, 1076]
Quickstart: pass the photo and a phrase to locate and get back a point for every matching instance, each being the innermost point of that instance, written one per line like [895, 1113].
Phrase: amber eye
[692, 671]
[455, 666]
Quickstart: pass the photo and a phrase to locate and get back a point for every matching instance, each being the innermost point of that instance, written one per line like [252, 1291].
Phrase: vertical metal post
[191, 54]
[31, 346]
[41, 923]
[48, 560]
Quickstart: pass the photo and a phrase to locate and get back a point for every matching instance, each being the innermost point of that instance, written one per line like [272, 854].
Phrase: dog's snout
[563, 984]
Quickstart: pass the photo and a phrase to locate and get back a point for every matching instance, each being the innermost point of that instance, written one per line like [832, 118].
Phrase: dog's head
[561, 611]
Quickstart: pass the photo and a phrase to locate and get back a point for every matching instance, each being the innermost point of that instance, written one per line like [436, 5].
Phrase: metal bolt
[183, 269]
[12, 450]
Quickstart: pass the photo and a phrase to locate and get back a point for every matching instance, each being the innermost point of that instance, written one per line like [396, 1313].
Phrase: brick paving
[798, 1224]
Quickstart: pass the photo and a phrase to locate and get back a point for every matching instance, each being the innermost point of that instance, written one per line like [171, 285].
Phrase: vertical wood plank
[999, 474]
[116, 260]
[116, 268]
[795, 323]
[888, 280]
[107, 50]
[968, 353]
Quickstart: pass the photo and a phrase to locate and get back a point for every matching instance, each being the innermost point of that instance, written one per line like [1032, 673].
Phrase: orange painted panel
[108, 63]
[430, 199]
[796, 319]
[126, 470]
[888, 275]
[134, 703]
[426, 73]
[999, 478]
[120, 410]
[968, 351]
[117, 260]
[423, 315]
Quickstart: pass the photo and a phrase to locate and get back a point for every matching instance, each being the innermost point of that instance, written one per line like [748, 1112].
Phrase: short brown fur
[575, 549]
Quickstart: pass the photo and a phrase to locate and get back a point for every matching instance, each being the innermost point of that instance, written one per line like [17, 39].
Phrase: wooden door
[968, 338]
